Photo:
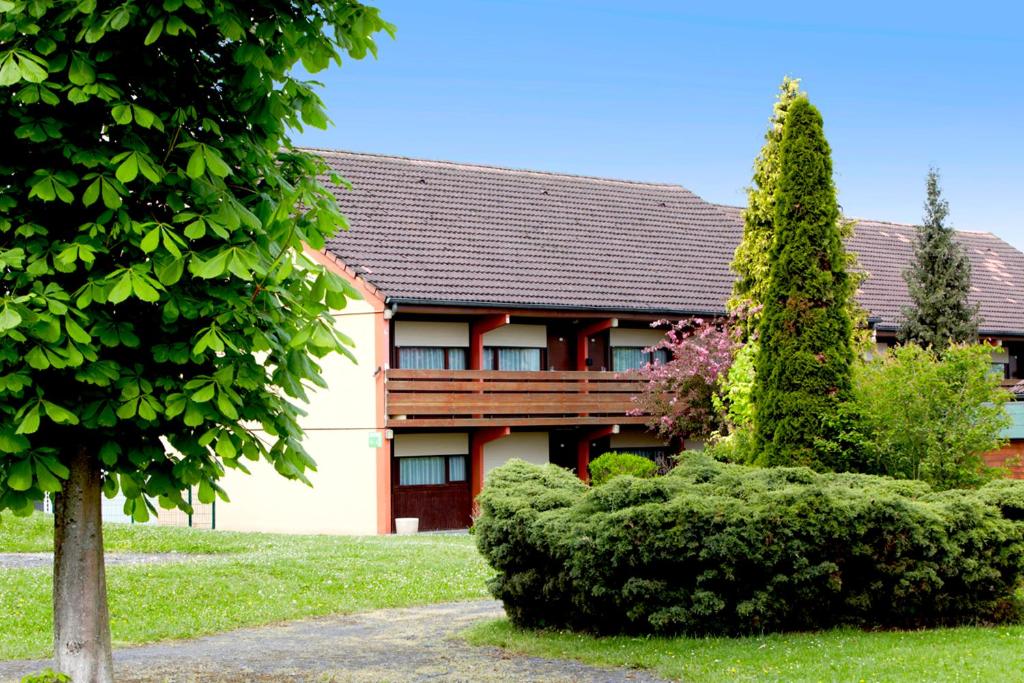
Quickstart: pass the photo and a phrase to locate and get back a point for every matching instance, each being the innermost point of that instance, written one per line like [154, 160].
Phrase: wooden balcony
[487, 398]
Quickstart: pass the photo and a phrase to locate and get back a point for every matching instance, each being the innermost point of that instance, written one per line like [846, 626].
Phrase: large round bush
[713, 548]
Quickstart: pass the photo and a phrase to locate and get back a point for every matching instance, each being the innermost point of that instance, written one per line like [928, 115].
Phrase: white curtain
[457, 468]
[512, 359]
[627, 358]
[421, 358]
[421, 471]
[634, 357]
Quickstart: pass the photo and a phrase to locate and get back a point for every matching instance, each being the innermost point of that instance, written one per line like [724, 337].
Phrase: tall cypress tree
[806, 355]
[939, 280]
[752, 258]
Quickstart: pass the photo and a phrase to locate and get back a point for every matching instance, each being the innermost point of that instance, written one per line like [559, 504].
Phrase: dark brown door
[561, 347]
[439, 506]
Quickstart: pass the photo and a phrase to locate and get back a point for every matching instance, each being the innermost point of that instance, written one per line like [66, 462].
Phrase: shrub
[714, 548]
[931, 416]
[614, 464]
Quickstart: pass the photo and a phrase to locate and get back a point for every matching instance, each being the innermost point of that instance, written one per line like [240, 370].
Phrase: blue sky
[681, 92]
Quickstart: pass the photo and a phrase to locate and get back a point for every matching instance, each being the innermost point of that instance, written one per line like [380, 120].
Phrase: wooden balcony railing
[484, 398]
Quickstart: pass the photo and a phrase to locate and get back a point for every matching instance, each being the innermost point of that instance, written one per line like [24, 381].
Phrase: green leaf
[215, 162]
[76, 332]
[151, 171]
[19, 476]
[30, 422]
[37, 358]
[9, 71]
[9, 318]
[143, 289]
[226, 406]
[169, 270]
[205, 394]
[47, 482]
[128, 409]
[111, 197]
[151, 241]
[58, 414]
[129, 168]
[154, 32]
[145, 117]
[43, 189]
[81, 71]
[205, 492]
[11, 442]
[31, 70]
[196, 165]
[215, 267]
[109, 452]
[121, 290]
[92, 193]
[122, 114]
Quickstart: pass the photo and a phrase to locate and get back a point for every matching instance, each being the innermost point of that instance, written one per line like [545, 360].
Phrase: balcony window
[433, 470]
[431, 358]
[635, 357]
[512, 358]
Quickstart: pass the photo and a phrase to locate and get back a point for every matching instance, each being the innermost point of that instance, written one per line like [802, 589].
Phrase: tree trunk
[81, 624]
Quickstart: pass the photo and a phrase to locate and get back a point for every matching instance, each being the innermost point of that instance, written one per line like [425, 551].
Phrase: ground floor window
[431, 470]
[431, 358]
[512, 358]
[635, 357]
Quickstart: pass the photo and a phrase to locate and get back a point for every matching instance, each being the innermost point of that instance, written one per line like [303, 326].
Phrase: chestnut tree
[155, 305]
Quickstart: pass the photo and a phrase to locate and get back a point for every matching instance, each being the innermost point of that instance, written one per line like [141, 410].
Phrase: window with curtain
[431, 470]
[456, 468]
[422, 471]
[634, 357]
[510, 358]
[431, 358]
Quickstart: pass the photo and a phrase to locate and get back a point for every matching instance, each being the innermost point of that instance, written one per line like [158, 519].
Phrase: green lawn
[961, 654]
[253, 579]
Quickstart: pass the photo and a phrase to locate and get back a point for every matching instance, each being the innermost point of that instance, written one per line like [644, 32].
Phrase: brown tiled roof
[435, 231]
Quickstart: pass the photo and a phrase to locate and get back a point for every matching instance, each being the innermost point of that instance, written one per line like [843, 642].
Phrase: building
[499, 306]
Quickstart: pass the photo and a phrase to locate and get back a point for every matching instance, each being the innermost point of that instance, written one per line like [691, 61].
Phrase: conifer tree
[939, 281]
[806, 355]
[751, 260]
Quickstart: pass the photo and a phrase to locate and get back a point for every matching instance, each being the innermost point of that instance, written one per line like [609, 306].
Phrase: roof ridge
[897, 224]
[505, 169]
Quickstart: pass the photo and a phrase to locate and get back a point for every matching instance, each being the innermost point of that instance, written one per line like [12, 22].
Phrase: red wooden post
[477, 329]
[477, 440]
[583, 449]
[582, 339]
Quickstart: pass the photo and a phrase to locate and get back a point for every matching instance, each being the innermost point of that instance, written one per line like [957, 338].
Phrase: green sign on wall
[375, 440]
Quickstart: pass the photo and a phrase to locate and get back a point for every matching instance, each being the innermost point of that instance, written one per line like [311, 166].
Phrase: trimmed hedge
[713, 548]
[614, 464]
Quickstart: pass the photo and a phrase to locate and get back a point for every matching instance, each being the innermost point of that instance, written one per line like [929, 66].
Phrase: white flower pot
[407, 525]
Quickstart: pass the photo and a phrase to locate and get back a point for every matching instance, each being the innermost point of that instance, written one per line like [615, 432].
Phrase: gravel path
[36, 560]
[411, 644]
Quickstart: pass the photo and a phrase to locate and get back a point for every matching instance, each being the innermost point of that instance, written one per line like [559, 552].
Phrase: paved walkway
[411, 644]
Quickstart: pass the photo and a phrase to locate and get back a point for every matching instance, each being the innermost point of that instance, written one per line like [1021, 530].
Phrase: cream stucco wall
[408, 445]
[529, 446]
[524, 336]
[624, 336]
[417, 333]
[339, 422]
[635, 440]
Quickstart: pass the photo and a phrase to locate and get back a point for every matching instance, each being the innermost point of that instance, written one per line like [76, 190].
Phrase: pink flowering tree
[679, 394]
